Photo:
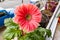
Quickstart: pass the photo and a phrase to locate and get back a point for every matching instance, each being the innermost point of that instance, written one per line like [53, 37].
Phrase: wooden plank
[57, 33]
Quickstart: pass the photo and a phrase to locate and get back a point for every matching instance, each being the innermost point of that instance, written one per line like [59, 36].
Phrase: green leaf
[11, 33]
[42, 30]
[48, 32]
[8, 34]
[9, 22]
[12, 29]
[38, 34]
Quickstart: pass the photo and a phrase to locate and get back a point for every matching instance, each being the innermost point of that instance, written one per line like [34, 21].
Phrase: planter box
[53, 22]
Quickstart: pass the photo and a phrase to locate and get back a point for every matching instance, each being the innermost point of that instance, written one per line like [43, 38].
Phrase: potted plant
[59, 18]
[25, 24]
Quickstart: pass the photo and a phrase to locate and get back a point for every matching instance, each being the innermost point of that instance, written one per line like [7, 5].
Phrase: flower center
[28, 17]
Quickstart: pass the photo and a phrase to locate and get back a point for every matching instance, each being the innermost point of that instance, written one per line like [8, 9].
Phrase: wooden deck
[57, 34]
[1, 33]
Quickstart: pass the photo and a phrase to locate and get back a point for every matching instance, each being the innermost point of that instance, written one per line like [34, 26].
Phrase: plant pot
[59, 19]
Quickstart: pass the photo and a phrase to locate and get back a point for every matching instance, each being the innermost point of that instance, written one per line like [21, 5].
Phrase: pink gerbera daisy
[28, 16]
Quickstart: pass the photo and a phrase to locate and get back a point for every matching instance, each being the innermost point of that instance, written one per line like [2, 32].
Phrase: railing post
[22, 1]
[1, 0]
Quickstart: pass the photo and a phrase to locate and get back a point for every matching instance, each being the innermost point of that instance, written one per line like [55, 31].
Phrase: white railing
[1, 0]
[53, 21]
